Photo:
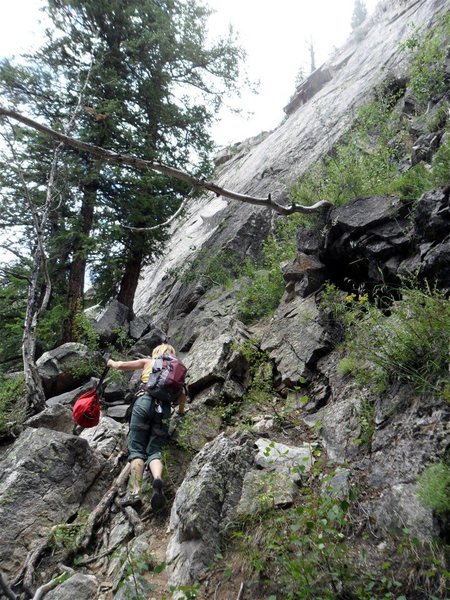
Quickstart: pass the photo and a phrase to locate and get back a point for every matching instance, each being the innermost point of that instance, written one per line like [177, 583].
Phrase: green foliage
[412, 184]
[441, 163]
[366, 423]
[12, 391]
[407, 343]
[260, 389]
[50, 326]
[427, 70]
[362, 164]
[69, 535]
[263, 284]
[302, 549]
[218, 270]
[434, 487]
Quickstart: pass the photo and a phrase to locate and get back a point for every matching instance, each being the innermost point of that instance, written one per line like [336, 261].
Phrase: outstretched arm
[128, 365]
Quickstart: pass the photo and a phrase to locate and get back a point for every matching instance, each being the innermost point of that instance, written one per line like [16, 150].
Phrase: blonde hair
[163, 349]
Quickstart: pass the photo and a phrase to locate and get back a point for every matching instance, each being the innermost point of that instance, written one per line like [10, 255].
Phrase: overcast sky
[275, 35]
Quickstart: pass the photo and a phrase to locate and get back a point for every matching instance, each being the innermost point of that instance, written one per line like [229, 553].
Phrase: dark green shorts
[149, 429]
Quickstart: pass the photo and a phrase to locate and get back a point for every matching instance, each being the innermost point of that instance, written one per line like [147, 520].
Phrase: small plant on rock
[434, 487]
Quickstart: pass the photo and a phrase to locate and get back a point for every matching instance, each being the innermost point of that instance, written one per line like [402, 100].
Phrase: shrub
[441, 164]
[434, 487]
[12, 391]
[263, 284]
[408, 343]
[413, 183]
[427, 70]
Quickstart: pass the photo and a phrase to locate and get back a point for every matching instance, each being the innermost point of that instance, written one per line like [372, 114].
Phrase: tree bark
[130, 279]
[77, 271]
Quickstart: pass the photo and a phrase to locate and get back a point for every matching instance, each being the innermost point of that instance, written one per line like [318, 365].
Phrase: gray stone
[138, 550]
[210, 396]
[115, 390]
[205, 504]
[70, 397]
[79, 586]
[146, 344]
[337, 486]
[107, 437]
[43, 480]
[113, 319]
[295, 339]
[399, 507]
[56, 417]
[262, 490]
[119, 411]
[275, 456]
[58, 368]
[309, 241]
[139, 326]
[215, 356]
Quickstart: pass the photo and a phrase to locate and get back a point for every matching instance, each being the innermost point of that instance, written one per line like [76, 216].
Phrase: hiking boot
[132, 500]
[158, 499]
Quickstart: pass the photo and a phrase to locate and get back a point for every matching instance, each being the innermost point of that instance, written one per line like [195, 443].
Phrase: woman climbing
[149, 424]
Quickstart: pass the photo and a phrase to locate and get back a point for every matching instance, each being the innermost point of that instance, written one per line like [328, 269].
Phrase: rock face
[204, 504]
[295, 339]
[271, 164]
[82, 587]
[43, 480]
[375, 239]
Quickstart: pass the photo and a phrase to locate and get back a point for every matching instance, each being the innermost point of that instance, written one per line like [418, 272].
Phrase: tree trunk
[130, 278]
[35, 391]
[75, 292]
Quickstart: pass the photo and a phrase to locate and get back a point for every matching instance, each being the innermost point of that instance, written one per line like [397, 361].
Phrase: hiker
[149, 429]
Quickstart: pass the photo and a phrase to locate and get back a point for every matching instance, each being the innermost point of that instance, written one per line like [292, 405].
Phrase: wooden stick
[141, 164]
[241, 591]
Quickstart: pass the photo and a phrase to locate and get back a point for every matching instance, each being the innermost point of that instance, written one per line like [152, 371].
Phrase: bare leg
[137, 472]
[156, 468]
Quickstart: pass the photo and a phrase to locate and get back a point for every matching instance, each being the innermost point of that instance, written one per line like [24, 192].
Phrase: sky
[275, 35]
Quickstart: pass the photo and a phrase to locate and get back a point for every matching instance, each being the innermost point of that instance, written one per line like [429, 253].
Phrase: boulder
[56, 417]
[112, 320]
[79, 586]
[70, 397]
[274, 456]
[205, 504]
[107, 437]
[295, 339]
[64, 368]
[139, 326]
[304, 275]
[215, 356]
[399, 507]
[43, 481]
[262, 490]
[146, 344]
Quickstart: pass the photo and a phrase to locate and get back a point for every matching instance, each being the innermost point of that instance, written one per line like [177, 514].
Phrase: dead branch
[142, 164]
[28, 568]
[241, 592]
[93, 559]
[104, 504]
[43, 589]
[4, 587]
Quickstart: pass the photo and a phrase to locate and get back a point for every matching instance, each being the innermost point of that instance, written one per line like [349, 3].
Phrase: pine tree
[151, 87]
[359, 13]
